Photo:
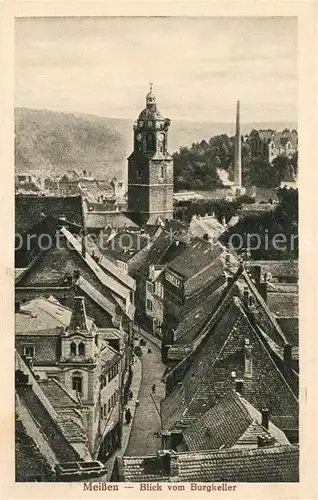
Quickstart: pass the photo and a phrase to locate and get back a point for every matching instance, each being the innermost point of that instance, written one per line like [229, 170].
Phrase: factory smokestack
[238, 160]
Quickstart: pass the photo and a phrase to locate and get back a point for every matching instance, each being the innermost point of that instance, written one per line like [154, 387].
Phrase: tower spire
[238, 154]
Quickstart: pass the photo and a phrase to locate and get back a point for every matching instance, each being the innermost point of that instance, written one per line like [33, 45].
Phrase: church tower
[150, 167]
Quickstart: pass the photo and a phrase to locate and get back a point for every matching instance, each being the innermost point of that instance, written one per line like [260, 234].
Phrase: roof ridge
[220, 351]
[265, 306]
[99, 273]
[222, 304]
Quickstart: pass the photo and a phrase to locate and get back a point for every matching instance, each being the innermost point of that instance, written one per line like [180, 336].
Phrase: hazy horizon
[186, 120]
[200, 67]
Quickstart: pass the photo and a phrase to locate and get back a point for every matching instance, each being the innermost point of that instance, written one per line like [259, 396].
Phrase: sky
[199, 66]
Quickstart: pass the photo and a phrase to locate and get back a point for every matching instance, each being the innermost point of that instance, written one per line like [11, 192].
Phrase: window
[151, 142]
[81, 349]
[103, 381]
[149, 287]
[77, 384]
[138, 174]
[73, 349]
[159, 289]
[29, 351]
[173, 279]
[149, 305]
[162, 172]
[112, 373]
[104, 411]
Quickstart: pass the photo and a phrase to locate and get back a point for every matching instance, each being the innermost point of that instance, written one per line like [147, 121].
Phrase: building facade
[150, 167]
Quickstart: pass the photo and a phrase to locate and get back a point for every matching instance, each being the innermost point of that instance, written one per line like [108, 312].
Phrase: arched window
[73, 349]
[81, 349]
[77, 384]
[151, 142]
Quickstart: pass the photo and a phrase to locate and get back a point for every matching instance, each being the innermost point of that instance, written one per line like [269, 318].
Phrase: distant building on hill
[269, 144]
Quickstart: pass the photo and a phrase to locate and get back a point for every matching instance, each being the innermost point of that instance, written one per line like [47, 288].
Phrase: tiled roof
[29, 210]
[195, 258]
[209, 375]
[107, 303]
[194, 319]
[290, 327]
[33, 456]
[272, 464]
[277, 268]
[108, 358]
[231, 421]
[125, 245]
[32, 404]
[205, 225]
[107, 281]
[165, 247]
[283, 305]
[57, 394]
[118, 273]
[212, 272]
[43, 316]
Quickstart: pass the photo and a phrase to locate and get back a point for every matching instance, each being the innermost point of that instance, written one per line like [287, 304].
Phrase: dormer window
[29, 351]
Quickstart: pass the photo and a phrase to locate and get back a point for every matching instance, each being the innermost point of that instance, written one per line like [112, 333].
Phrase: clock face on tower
[161, 137]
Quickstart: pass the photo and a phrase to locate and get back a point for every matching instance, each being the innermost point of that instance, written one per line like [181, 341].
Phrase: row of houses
[229, 337]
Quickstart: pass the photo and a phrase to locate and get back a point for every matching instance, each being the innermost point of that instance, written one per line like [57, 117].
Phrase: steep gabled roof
[209, 375]
[197, 256]
[106, 280]
[43, 316]
[231, 421]
[107, 303]
[33, 405]
[108, 265]
[273, 464]
[29, 210]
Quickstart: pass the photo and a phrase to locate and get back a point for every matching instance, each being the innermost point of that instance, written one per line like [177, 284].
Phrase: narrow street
[147, 421]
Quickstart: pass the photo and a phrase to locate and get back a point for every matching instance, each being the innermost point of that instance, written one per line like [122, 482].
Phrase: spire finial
[150, 86]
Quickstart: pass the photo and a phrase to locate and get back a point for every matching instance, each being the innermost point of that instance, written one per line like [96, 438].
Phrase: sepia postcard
[159, 176]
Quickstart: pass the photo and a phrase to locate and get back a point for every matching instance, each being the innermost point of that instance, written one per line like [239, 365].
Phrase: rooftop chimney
[166, 440]
[248, 359]
[265, 418]
[239, 384]
[169, 462]
[287, 355]
[84, 244]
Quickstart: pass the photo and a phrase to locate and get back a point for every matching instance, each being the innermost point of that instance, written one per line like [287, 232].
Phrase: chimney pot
[265, 418]
[239, 384]
[287, 355]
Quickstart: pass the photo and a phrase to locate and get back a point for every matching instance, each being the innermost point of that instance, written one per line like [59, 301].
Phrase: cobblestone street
[147, 421]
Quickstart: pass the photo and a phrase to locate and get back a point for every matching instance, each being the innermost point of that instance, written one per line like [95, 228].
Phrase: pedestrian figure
[154, 388]
[149, 350]
[131, 395]
[128, 416]
[137, 402]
